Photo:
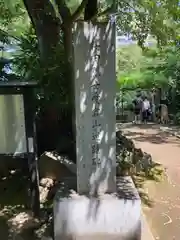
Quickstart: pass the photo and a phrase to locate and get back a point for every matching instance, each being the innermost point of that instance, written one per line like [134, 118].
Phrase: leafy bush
[51, 78]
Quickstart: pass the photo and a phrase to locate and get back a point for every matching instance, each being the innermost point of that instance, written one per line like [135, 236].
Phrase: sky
[124, 40]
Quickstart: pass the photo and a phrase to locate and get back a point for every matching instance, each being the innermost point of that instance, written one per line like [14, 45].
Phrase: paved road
[164, 216]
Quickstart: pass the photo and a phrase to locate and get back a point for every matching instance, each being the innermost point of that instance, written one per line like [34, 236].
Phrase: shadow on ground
[156, 174]
[152, 133]
[16, 221]
[13, 198]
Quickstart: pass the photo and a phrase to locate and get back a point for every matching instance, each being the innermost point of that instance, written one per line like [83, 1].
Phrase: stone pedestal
[109, 216]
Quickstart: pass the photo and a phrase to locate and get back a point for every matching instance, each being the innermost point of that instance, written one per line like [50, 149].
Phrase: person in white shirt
[146, 107]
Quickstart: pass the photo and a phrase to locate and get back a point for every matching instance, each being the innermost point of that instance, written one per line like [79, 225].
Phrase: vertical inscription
[95, 97]
[94, 66]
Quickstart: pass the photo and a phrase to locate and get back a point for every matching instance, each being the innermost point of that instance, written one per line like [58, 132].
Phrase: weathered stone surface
[123, 142]
[55, 167]
[46, 182]
[109, 216]
[43, 192]
[95, 90]
[47, 189]
[129, 157]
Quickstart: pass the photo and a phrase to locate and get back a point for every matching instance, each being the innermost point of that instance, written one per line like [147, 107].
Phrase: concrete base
[110, 216]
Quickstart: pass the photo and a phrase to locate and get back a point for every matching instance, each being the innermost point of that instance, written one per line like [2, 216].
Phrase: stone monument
[96, 211]
[95, 108]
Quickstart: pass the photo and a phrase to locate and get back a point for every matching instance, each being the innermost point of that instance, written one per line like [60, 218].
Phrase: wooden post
[32, 152]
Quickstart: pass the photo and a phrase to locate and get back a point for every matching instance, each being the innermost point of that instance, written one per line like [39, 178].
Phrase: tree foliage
[156, 68]
[27, 64]
[137, 18]
[128, 59]
[141, 18]
[42, 31]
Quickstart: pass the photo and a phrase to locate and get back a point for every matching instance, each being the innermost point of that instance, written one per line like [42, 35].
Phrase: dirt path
[164, 216]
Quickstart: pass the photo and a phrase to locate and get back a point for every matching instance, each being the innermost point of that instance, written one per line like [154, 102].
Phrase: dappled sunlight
[83, 104]
[151, 133]
[95, 98]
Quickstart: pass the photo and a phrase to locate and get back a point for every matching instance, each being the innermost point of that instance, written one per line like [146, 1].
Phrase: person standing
[146, 108]
[153, 105]
[137, 108]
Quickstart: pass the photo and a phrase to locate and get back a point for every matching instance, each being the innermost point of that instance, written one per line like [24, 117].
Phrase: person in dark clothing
[158, 113]
[137, 108]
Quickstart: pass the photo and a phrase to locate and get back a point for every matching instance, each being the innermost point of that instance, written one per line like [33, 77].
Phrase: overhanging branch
[79, 10]
[110, 9]
[63, 9]
[37, 10]
[4, 34]
[106, 11]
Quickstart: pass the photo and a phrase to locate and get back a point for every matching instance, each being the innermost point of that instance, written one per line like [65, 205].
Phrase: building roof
[19, 84]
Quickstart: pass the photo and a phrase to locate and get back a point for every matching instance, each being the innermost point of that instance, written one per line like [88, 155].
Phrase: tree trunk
[47, 27]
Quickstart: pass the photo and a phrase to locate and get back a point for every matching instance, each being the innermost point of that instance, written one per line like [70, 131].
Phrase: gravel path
[164, 216]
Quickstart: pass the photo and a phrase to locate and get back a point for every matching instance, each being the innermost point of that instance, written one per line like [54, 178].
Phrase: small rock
[43, 194]
[12, 172]
[22, 221]
[46, 182]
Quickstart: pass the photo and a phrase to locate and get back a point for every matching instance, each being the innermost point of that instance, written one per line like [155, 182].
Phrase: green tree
[52, 21]
[128, 58]
[52, 39]
[50, 18]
